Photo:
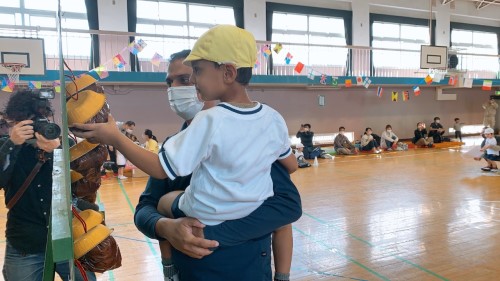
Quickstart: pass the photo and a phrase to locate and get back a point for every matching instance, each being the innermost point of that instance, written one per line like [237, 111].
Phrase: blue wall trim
[159, 77]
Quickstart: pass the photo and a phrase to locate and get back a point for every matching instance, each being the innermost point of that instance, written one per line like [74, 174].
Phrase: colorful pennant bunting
[288, 58]
[299, 67]
[428, 79]
[137, 46]
[367, 82]
[310, 74]
[7, 86]
[156, 59]
[416, 91]
[359, 80]
[118, 61]
[468, 82]
[57, 86]
[395, 96]
[335, 81]
[348, 83]
[323, 79]
[406, 96]
[35, 84]
[453, 80]
[380, 91]
[487, 85]
[101, 71]
[278, 48]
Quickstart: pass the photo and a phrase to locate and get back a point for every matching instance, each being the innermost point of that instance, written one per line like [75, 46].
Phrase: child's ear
[230, 73]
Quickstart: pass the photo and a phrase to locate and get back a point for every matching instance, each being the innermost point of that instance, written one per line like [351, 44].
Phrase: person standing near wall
[490, 111]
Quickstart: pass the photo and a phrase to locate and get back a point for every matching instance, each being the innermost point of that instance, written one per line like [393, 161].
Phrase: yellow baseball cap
[225, 44]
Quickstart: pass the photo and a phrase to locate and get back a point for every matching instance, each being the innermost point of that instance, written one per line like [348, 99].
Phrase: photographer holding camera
[26, 177]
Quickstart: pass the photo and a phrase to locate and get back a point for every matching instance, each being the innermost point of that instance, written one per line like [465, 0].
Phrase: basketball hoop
[15, 69]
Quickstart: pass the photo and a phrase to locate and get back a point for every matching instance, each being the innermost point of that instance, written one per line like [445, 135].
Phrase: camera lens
[50, 131]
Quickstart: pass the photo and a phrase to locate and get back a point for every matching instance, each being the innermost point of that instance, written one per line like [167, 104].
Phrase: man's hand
[21, 132]
[106, 133]
[45, 144]
[186, 235]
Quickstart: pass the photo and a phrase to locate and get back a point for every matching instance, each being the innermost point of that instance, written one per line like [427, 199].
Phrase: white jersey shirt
[229, 150]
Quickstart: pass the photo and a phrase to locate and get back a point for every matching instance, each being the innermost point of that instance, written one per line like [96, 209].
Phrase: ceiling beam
[481, 4]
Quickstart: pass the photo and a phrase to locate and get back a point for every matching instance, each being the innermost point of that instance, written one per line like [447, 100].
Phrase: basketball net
[15, 69]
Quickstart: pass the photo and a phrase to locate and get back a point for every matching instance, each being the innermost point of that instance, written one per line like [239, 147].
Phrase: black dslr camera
[41, 105]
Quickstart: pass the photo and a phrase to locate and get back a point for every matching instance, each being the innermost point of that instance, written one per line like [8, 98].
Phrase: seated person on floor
[342, 144]
[389, 140]
[368, 143]
[299, 154]
[306, 138]
[421, 138]
[436, 131]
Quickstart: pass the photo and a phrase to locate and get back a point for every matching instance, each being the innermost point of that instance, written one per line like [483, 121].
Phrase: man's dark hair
[21, 106]
[456, 119]
[437, 118]
[130, 123]
[307, 125]
[179, 55]
[341, 128]
[388, 126]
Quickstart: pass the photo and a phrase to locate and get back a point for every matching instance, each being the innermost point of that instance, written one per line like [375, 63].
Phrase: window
[476, 42]
[310, 30]
[178, 20]
[399, 37]
[41, 14]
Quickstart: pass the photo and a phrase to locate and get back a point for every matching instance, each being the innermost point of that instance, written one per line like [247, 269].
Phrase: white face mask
[389, 130]
[437, 121]
[129, 131]
[342, 133]
[184, 101]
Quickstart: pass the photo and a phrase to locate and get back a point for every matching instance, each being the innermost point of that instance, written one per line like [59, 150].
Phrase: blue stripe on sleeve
[169, 168]
[289, 150]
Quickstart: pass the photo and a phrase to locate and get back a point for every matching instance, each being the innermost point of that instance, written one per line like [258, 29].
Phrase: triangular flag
[395, 96]
[428, 79]
[380, 91]
[257, 64]
[497, 93]
[288, 58]
[299, 67]
[335, 81]
[323, 79]
[468, 82]
[156, 59]
[367, 82]
[453, 80]
[348, 83]
[359, 80]
[118, 61]
[416, 91]
[7, 86]
[35, 84]
[487, 85]
[278, 48]
[406, 96]
[310, 75]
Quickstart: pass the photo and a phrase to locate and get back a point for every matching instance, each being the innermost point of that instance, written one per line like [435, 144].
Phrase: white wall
[255, 18]
[112, 17]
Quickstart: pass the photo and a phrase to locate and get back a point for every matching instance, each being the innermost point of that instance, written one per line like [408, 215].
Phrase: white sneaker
[122, 177]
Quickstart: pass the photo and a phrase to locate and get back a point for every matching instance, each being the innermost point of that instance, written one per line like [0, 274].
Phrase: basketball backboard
[29, 51]
[433, 57]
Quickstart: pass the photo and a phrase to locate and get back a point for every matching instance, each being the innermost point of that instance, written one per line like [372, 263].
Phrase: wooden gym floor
[423, 214]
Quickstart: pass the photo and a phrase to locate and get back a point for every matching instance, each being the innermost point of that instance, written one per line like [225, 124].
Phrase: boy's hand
[106, 133]
[21, 132]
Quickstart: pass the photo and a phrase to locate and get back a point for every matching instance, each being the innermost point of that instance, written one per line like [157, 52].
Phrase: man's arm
[179, 232]
[281, 209]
